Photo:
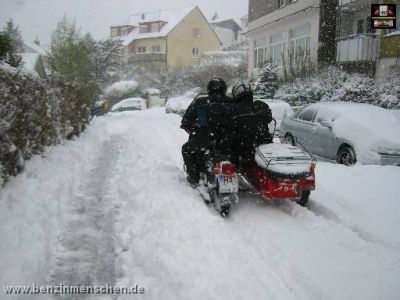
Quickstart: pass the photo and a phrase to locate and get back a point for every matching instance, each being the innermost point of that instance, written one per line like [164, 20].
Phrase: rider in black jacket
[250, 123]
[203, 128]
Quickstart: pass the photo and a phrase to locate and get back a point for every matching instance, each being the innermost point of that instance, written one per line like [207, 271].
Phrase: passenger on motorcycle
[249, 123]
[203, 129]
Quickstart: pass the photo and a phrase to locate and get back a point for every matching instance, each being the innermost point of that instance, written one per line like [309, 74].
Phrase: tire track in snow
[324, 212]
[86, 254]
[175, 245]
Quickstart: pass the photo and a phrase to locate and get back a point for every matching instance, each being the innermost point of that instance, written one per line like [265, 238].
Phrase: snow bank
[363, 198]
[34, 208]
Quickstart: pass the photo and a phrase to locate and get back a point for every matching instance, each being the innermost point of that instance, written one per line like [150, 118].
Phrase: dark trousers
[195, 153]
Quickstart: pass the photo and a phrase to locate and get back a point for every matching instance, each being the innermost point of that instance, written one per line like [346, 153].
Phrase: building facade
[286, 32]
[360, 48]
[168, 39]
[289, 32]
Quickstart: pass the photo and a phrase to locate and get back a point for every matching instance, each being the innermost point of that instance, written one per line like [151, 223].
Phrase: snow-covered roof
[226, 23]
[172, 16]
[397, 32]
[32, 47]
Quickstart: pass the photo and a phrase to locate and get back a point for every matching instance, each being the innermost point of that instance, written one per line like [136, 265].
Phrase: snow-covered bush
[333, 84]
[266, 82]
[34, 115]
[121, 90]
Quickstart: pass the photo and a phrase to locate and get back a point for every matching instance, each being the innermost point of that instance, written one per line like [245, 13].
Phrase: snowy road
[114, 207]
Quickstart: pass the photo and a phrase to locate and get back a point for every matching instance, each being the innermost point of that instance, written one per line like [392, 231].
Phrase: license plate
[228, 184]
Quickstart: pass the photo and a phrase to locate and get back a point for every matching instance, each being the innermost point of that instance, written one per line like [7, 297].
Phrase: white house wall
[309, 15]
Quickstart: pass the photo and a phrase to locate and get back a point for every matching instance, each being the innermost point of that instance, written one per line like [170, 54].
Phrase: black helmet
[242, 91]
[216, 85]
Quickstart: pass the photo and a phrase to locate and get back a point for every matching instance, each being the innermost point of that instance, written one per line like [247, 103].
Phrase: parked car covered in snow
[278, 109]
[136, 103]
[345, 132]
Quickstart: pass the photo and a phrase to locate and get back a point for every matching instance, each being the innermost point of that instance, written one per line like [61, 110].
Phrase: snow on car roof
[135, 102]
[356, 111]
[365, 126]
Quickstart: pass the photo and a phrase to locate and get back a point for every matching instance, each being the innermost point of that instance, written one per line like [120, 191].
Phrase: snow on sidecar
[281, 171]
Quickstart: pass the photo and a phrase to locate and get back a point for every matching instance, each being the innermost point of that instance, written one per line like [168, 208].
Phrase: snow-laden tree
[15, 35]
[266, 82]
[105, 56]
[8, 49]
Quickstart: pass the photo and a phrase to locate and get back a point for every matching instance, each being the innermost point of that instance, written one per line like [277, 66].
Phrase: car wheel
[346, 156]
[289, 139]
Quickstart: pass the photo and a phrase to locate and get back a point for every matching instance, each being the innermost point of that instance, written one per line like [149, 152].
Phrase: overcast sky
[38, 18]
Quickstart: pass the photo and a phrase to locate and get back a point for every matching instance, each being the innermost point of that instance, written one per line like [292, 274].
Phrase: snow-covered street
[113, 206]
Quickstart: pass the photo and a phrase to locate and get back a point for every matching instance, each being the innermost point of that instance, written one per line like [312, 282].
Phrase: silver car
[345, 132]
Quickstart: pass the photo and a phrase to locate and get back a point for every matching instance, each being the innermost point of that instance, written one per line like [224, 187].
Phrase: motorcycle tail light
[228, 169]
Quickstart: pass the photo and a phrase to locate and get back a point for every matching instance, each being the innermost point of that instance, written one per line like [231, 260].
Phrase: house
[34, 58]
[389, 55]
[357, 44]
[244, 21]
[167, 39]
[228, 31]
[285, 32]
[290, 32]
[121, 30]
[360, 48]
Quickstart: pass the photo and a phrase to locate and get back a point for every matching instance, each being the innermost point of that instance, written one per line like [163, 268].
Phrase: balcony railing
[147, 57]
[360, 47]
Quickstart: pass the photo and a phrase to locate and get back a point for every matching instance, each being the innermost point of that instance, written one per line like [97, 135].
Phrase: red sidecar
[281, 171]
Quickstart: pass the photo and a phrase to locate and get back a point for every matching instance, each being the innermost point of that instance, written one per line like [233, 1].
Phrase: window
[141, 49]
[277, 48]
[196, 52]
[156, 49]
[360, 26]
[260, 53]
[299, 44]
[308, 114]
[154, 27]
[196, 32]
[142, 29]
